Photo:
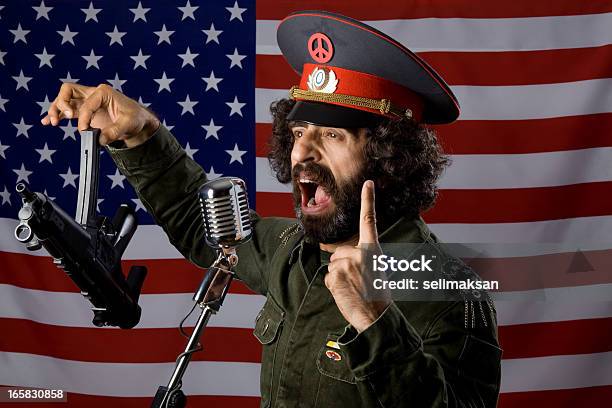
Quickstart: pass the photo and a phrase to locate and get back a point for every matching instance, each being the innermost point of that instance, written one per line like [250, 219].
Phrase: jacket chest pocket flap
[332, 362]
[268, 321]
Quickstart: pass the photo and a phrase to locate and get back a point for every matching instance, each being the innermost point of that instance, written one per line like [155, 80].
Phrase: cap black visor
[324, 114]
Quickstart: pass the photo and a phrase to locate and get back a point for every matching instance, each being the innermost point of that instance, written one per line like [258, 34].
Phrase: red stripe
[566, 269]
[521, 67]
[159, 345]
[239, 345]
[391, 9]
[592, 397]
[263, 131]
[490, 205]
[274, 204]
[97, 401]
[452, 206]
[272, 71]
[506, 137]
[521, 204]
[570, 337]
[479, 68]
[164, 275]
[525, 136]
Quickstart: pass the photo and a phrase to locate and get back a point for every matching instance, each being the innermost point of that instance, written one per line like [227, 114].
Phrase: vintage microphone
[225, 213]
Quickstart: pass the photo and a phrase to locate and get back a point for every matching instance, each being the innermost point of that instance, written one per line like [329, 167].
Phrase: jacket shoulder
[277, 230]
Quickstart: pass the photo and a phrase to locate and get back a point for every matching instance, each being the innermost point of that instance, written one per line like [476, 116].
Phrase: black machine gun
[88, 249]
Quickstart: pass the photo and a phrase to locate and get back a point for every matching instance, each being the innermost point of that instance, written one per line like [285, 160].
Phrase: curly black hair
[405, 161]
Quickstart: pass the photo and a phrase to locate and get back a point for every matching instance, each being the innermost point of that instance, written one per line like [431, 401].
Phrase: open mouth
[314, 197]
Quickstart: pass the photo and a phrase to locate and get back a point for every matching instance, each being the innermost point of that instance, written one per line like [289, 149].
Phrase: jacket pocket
[268, 325]
[332, 361]
[268, 321]
[481, 360]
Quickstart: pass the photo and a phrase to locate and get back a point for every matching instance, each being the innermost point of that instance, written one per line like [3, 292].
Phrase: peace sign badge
[320, 48]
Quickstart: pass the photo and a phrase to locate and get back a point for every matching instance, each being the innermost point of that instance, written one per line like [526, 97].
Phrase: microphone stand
[209, 297]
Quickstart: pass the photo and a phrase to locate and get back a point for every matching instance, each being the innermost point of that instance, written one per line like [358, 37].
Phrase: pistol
[89, 248]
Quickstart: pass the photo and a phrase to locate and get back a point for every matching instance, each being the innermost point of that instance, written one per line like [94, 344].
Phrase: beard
[338, 223]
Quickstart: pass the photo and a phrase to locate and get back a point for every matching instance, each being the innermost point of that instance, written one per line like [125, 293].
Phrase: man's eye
[332, 135]
[297, 133]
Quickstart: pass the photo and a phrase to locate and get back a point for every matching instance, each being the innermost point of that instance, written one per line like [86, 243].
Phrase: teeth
[306, 181]
[311, 202]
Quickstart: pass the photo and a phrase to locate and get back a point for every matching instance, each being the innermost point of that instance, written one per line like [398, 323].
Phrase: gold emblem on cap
[383, 105]
[322, 80]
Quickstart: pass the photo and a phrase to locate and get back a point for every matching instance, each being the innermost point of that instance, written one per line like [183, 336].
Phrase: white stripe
[534, 101]
[598, 293]
[472, 171]
[158, 311]
[265, 180]
[239, 311]
[556, 372]
[492, 250]
[478, 34]
[242, 379]
[586, 233]
[498, 171]
[127, 380]
[579, 232]
[525, 312]
[263, 98]
[502, 102]
[149, 242]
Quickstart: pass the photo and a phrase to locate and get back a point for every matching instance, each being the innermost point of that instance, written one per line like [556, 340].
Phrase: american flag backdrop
[532, 163]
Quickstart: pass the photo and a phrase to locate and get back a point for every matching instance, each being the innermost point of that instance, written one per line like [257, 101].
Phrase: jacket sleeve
[167, 182]
[450, 366]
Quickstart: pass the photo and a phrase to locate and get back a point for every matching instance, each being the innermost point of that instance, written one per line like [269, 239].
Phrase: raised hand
[352, 291]
[102, 107]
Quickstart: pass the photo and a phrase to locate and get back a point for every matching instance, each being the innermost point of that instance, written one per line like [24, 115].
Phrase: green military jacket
[416, 354]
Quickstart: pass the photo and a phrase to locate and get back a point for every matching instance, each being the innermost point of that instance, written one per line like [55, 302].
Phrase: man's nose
[305, 149]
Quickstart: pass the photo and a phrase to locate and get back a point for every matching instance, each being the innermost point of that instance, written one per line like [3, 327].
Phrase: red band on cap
[360, 84]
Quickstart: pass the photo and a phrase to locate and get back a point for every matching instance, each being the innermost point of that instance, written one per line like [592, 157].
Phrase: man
[353, 125]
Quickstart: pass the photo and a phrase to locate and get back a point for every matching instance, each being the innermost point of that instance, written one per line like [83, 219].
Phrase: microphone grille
[224, 207]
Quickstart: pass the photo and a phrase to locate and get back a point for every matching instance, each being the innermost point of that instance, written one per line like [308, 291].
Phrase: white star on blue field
[190, 62]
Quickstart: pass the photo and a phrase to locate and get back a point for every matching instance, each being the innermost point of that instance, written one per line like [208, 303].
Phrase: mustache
[317, 173]
[343, 221]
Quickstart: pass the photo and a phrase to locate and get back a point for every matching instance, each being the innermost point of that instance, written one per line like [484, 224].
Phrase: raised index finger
[367, 216]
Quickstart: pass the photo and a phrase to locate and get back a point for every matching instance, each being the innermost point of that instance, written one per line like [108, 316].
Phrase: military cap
[353, 75]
